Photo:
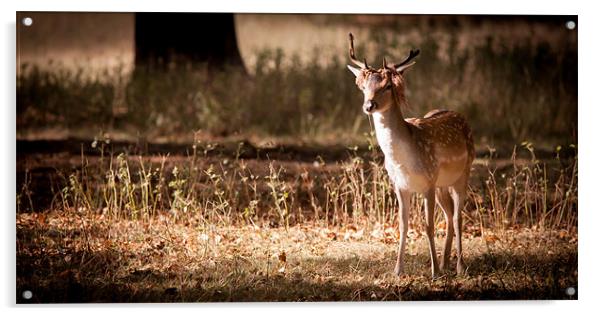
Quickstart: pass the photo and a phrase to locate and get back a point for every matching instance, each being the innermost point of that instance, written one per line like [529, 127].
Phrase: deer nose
[370, 106]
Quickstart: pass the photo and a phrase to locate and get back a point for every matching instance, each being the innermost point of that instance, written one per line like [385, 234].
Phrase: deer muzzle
[369, 106]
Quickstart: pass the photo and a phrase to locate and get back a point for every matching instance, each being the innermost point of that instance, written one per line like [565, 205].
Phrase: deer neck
[393, 134]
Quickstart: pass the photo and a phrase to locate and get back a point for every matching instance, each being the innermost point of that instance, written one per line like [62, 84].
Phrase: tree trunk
[175, 39]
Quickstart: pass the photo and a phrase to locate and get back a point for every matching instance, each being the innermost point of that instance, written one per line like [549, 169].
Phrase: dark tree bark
[166, 39]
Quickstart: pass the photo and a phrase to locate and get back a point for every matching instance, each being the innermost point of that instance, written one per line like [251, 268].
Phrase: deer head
[381, 87]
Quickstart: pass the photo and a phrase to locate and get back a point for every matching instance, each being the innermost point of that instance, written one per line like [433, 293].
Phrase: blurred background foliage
[514, 78]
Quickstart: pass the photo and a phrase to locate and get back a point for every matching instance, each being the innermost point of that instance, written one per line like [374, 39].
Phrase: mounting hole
[570, 291]
[27, 21]
[27, 294]
[570, 25]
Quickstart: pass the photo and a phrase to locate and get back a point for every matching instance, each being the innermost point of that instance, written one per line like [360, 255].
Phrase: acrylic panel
[225, 157]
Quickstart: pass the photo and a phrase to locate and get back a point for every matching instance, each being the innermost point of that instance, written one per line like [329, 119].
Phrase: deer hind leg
[458, 193]
[445, 202]
[429, 211]
[403, 199]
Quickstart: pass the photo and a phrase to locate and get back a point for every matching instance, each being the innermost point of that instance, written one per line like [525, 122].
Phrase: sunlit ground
[75, 257]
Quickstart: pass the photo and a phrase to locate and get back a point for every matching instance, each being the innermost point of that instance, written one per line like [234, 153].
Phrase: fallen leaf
[441, 226]
[41, 218]
[491, 238]
[332, 236]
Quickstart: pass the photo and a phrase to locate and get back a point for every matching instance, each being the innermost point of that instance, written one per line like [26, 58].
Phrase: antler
[352, 54]
[413, 54]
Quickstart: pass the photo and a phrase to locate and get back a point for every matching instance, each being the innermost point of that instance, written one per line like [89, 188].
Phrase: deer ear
[355, 71]
[401, 69]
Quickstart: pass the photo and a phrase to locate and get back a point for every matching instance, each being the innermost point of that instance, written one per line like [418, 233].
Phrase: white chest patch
[403, 168]
[404, 179]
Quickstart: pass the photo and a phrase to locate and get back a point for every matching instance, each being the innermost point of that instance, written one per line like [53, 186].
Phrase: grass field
[189, 186]
[80, 257]
[227, 224]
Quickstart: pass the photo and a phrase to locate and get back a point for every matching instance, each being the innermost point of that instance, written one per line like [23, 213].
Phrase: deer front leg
[403, 199]
[429, 212]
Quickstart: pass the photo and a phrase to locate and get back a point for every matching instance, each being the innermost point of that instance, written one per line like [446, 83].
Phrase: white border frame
[588, 128]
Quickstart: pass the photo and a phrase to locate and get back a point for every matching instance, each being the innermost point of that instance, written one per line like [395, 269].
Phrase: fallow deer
[431, 155]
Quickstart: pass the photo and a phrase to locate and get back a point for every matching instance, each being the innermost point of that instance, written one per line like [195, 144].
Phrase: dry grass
[220, 227]
[83, 257]
[229, 187]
